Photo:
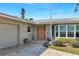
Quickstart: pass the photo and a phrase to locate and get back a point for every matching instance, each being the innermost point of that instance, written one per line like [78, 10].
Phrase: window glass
[70, 28]
[56, 28]
[56, 31]
[70, 34]
[77, 30]
[62, 30]
[70, 31]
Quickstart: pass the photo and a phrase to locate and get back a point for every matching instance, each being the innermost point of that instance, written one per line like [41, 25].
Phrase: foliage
[26, 18]
[31, 19]
[75, 44]
[76, 7]
[22, 13]
[63, 41]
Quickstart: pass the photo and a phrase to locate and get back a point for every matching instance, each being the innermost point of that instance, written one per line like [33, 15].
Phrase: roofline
[59, 21]
[17, 18]
[54, 21]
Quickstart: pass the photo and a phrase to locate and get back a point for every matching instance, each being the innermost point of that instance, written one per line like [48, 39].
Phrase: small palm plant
[22, 13]
[76, 7]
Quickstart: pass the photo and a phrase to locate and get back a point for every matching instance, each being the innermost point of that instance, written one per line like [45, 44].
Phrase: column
[58, 30]
[54, 31]
[51, 32]
[66, 31]
[74, 31]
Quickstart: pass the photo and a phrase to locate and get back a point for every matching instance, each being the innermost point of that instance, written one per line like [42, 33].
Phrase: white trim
[58, 30]
[46, 32]
[74, 31]
[54, 31]
[66, 31]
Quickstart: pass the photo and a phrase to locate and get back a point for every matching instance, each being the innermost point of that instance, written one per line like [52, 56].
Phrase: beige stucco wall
[22, 29]
[34, 32]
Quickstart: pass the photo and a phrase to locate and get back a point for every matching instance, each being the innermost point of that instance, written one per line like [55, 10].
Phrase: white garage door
[8, 35]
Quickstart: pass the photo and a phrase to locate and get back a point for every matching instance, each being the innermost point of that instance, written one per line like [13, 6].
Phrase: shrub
[64, 41]
[57, 43]
[70, 40]
[77, 39]
[75, 44]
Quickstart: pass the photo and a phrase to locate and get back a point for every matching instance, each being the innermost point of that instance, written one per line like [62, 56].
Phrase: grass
[66, 49]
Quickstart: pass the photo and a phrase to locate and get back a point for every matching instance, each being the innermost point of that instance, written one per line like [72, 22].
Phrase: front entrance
[41, 32]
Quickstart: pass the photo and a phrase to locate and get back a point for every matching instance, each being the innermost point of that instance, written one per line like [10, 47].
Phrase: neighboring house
[13, 30]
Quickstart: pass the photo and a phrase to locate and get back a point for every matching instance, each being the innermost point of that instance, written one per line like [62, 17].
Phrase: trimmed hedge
[75, 44]
[64, 41]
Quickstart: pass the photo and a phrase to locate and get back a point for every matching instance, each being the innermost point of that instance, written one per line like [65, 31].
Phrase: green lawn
[66, 49]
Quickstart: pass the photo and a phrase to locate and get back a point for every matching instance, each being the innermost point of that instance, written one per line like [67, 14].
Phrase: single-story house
[14, 30]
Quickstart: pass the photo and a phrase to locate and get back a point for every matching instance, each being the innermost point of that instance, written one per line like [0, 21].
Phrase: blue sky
[40, 11]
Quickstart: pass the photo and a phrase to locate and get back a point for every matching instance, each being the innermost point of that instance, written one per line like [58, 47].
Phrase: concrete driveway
[33, 49]
[53, 52]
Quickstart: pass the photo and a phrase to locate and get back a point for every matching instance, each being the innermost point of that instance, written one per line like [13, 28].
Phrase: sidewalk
[52, 52]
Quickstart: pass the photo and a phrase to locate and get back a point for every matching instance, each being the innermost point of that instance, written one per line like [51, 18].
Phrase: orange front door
[41, 32]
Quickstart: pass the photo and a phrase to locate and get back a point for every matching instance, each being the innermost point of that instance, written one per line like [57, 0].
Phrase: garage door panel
[8, 35]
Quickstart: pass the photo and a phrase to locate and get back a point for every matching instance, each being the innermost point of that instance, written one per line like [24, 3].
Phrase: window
[77, 30]
[62, 30]
[56, 31]
[52, 31]
[70, 31]
[28, 29]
